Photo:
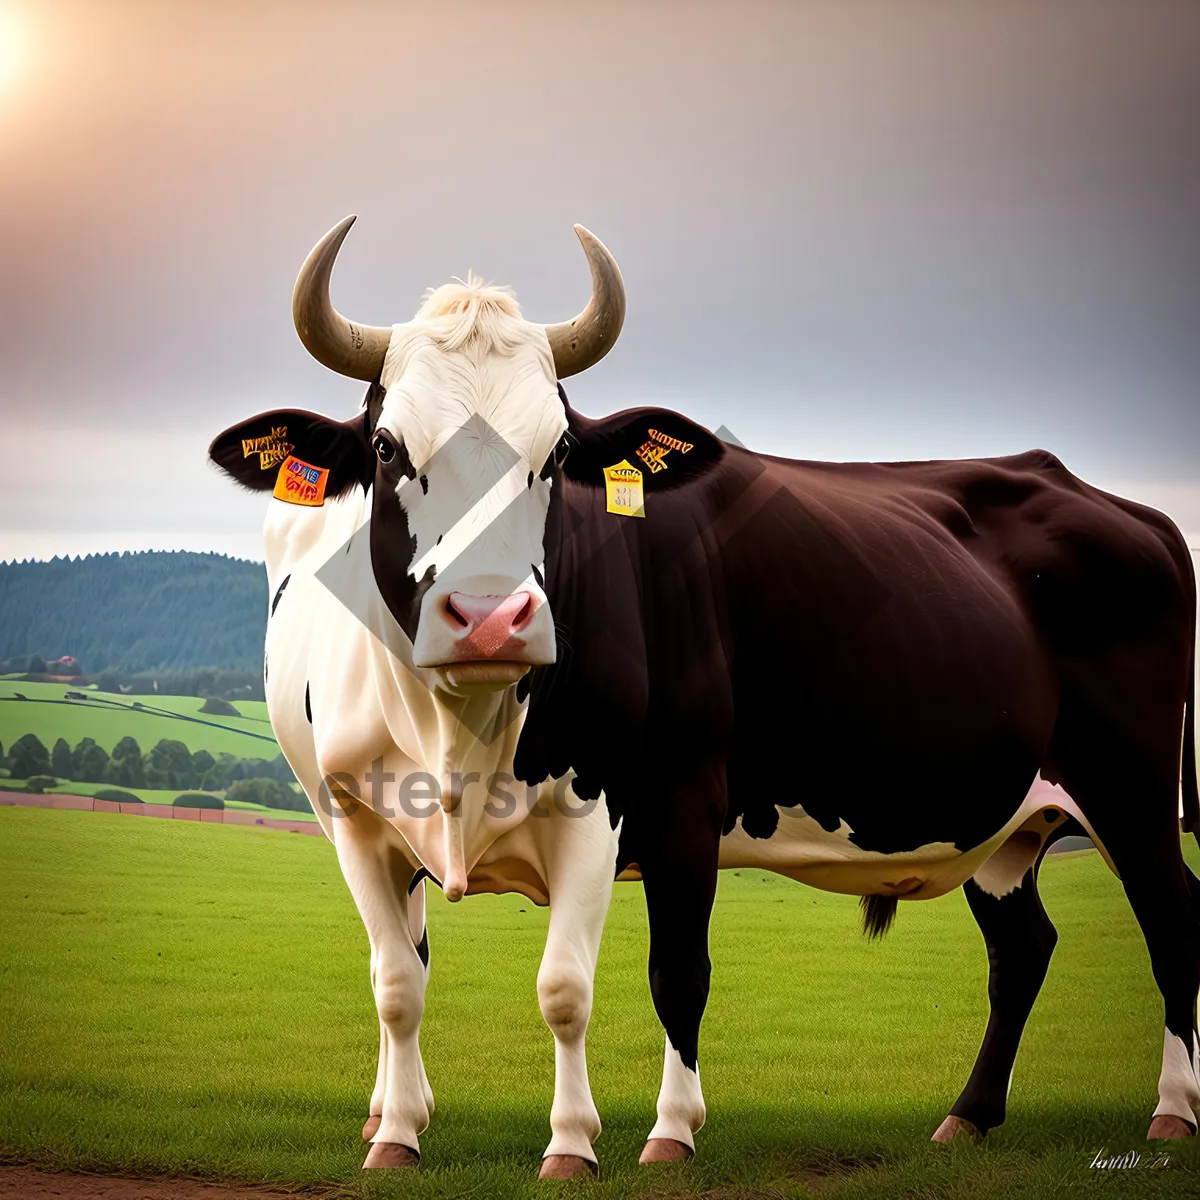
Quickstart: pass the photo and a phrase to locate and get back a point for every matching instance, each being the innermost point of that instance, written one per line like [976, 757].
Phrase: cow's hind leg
[1134, 815]
[1158, 892]
[1179, 1087]
[1020, 940]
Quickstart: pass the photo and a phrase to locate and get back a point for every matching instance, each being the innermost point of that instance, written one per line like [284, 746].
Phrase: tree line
[168, 765]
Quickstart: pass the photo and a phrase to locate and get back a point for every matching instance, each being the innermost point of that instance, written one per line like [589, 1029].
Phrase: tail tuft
[1190, 793]
[878, 913]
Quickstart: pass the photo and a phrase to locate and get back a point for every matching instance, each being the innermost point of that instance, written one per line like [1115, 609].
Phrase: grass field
[109, 718]
[182, 998]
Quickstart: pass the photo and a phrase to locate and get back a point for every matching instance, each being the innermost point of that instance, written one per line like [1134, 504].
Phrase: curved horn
[580, 343]
[341, 345]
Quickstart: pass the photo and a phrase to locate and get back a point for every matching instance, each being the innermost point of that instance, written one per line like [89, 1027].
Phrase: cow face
[463, 427]
[461, 441]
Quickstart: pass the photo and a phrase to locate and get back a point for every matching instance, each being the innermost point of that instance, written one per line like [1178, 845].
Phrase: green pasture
[193, 999]
[108, 718]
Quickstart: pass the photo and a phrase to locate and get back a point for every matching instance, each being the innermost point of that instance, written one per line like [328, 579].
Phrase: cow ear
[666, 447]
[251, 453]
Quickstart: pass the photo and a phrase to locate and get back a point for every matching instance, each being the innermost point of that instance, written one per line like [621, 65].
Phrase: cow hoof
[390, 1154]
[666, 1150]
[1168, 1127]
[956, 1127]
[567, 1166]
[371, 1128]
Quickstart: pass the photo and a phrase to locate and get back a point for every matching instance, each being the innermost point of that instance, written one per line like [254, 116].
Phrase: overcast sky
[847, 229]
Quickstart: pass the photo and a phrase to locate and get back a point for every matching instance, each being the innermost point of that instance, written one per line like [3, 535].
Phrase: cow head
[463, 431]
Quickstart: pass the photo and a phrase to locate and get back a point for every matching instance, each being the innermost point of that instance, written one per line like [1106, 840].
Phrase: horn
[581, 343]
[341, 345]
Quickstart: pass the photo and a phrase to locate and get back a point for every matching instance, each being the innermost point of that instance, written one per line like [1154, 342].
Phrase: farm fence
[219, 816]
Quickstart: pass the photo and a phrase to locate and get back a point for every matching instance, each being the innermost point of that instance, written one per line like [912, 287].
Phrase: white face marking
[478, 412]
[475, 426]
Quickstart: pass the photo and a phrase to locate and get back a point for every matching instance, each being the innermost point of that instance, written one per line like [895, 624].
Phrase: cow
[883, 679]
[404, 564]
[888, 680]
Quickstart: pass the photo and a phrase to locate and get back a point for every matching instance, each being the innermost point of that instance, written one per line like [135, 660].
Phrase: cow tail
[1189, 765]
[878, 913]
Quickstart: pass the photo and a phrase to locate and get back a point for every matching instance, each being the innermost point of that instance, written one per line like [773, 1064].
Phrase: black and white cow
[404, 559]
[888, 680]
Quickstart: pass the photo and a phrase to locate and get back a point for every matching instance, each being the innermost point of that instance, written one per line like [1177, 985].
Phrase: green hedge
[117, 796]
[197, 800]
[270, 793]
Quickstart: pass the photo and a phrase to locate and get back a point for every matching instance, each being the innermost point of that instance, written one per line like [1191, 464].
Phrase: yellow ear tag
[623, 485]
[299, 482]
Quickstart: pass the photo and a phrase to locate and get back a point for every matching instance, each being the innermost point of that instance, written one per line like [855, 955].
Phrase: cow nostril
[523, 617]
[453, 613]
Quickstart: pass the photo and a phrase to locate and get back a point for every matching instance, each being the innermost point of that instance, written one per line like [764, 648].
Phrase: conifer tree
[60, 760]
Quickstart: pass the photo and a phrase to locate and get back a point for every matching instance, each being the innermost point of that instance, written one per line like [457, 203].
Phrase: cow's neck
[464, 743]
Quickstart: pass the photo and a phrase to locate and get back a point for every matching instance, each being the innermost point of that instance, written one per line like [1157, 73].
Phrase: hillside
[126, 612]
[43, 710]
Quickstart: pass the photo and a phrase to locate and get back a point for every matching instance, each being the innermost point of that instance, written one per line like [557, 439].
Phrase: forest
[129, 614]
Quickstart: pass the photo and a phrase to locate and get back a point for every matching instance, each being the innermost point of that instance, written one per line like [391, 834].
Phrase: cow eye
[385, 448]
[562, 450]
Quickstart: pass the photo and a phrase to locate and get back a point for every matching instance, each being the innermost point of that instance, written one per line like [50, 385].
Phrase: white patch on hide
[1179, 1083]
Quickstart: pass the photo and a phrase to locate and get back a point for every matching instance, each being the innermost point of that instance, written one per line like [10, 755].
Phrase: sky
[848, 230]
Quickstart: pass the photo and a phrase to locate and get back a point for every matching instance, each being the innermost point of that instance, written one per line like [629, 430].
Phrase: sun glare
[11, 46]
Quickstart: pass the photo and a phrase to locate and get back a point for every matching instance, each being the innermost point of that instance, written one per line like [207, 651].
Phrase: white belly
[802, 850]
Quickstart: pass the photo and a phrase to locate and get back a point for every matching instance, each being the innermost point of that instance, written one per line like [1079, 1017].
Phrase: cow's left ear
[252, 453]
[666, 447]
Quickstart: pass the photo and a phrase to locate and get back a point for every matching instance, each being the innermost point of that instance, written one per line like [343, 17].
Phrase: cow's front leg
[420, 936]
[580, 859]
[679, 870]
[371, 1125]
[378, 878]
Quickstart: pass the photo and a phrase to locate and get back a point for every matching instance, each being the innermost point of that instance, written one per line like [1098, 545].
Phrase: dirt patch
[29, 1183]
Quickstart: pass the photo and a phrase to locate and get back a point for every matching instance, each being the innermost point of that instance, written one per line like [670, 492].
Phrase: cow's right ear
[251, 453]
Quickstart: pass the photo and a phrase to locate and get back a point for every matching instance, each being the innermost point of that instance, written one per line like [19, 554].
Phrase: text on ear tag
[623, 487]
[654, 452]
[299, 482]
[271, 449]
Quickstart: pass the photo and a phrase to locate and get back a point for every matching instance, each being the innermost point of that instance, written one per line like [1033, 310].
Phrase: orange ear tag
[299, 482]
[623, 486]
